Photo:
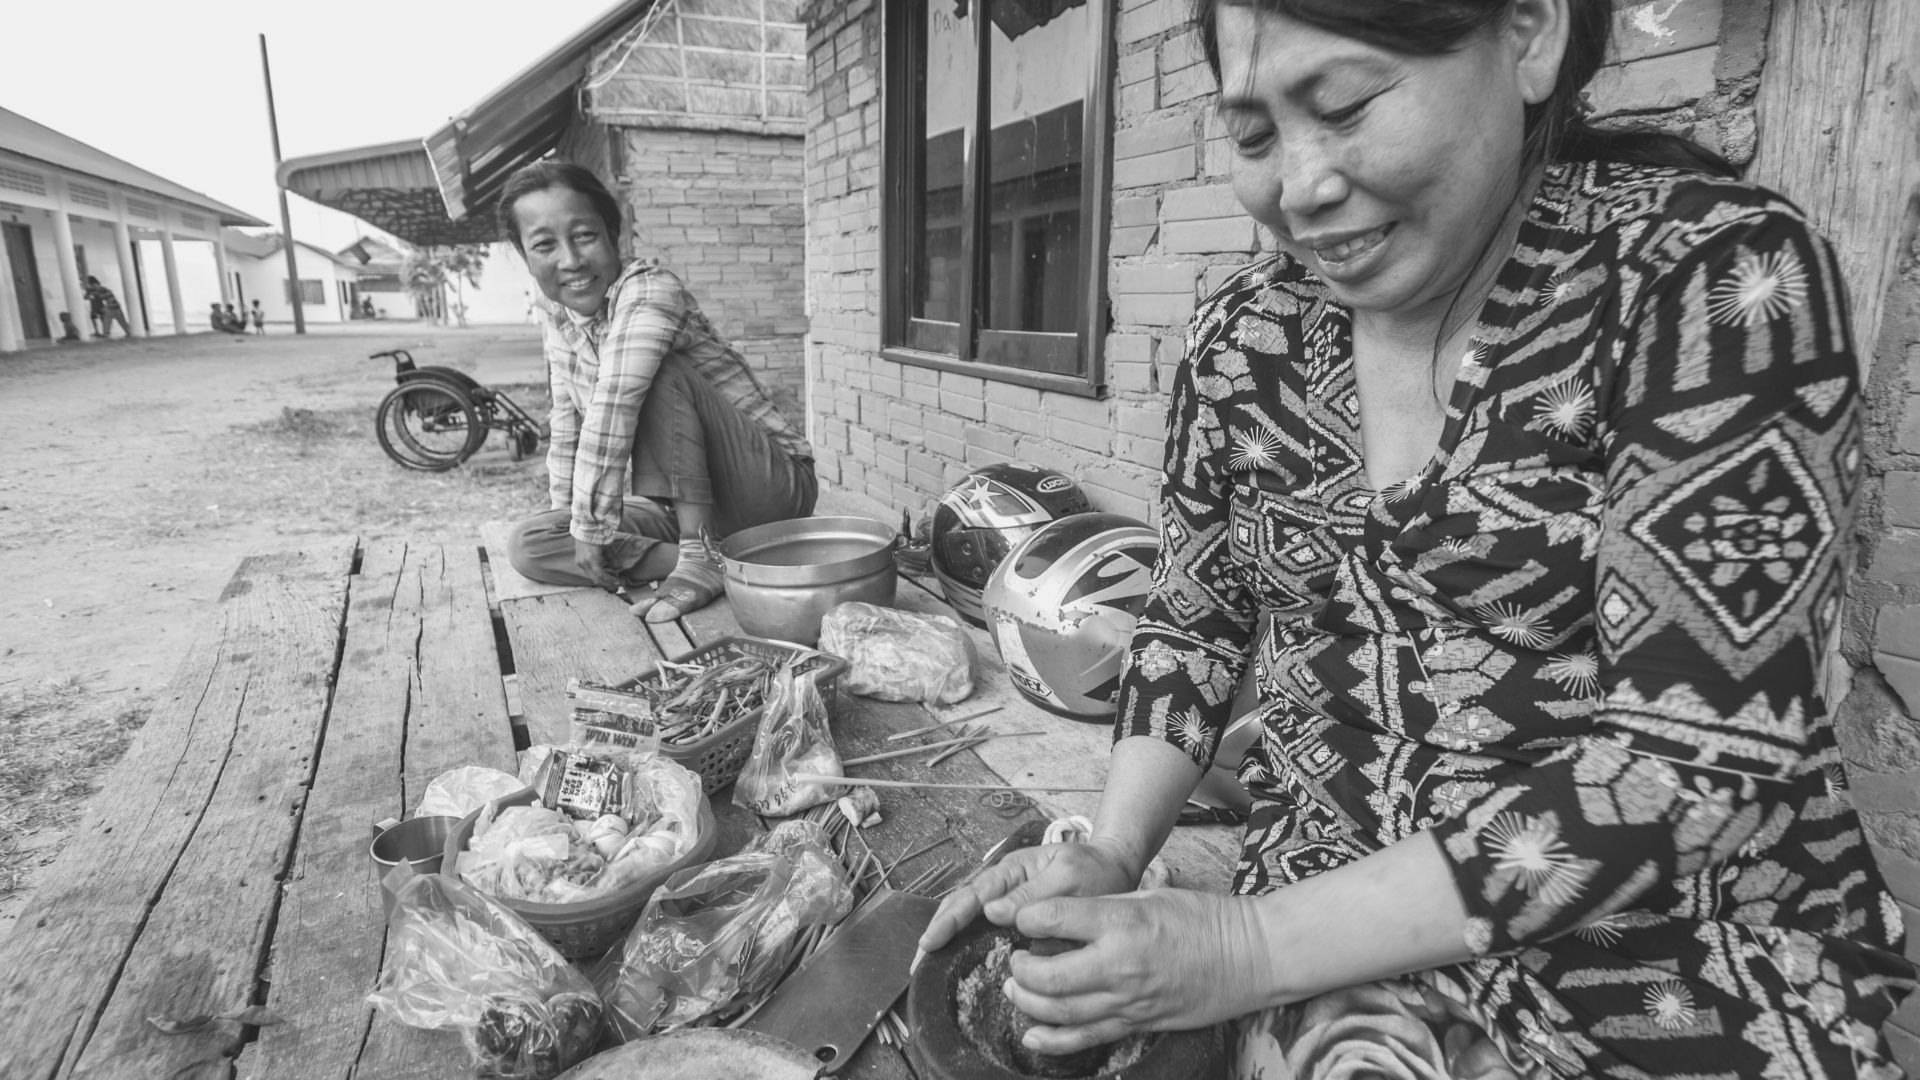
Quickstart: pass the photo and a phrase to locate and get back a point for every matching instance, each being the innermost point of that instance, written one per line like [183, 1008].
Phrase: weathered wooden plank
[458, 716]
[585, 634]
[1836, 135]
[459, 713]
[419, 692]
[161, 901]
[326, 952]
[711, 623]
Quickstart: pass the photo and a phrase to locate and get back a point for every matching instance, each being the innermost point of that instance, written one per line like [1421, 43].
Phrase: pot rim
[737, 550]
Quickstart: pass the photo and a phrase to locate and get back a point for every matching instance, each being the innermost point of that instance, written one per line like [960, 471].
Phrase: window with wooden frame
[994, 246]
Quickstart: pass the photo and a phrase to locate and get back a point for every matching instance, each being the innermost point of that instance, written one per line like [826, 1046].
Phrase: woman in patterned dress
[1533, 450]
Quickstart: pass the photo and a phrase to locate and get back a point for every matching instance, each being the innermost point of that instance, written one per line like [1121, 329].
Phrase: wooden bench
[224, 861]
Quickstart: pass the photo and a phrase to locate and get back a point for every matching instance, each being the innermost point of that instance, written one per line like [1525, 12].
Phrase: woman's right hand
[1092, 868]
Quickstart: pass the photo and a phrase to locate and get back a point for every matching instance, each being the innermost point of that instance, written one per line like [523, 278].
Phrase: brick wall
[725, 211]
[901, 434]
[696, 126]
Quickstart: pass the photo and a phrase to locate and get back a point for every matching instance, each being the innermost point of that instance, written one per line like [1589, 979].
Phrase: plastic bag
[459, 792]
[898, 655]
[716, 935]
[457, 959]
[793, 739]
[544, 855]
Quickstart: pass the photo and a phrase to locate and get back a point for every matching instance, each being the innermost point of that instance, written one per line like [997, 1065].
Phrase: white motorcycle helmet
[1061, 607]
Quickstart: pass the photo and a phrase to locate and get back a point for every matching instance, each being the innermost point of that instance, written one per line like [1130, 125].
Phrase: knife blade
[831, 1004]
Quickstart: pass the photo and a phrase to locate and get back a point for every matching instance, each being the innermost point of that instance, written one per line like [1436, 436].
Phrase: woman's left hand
[1162, 960]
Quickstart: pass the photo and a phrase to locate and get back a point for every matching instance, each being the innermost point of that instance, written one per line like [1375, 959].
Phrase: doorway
[26, 280]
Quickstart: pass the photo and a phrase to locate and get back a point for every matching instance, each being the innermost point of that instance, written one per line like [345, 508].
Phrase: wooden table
[223, 863]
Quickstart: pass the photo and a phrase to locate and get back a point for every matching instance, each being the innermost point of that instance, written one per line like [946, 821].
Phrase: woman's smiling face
[569, 253]
[1385, 173]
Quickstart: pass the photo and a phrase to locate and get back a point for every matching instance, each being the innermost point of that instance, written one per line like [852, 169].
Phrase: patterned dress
[1581, 647]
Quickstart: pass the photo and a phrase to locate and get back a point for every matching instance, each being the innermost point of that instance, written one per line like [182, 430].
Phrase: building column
[12, 333]
[220, 265]
[69, 268]
[129, 279]
[173, 281]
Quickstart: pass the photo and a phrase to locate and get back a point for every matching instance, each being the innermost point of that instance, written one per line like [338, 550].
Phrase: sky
[175, 87]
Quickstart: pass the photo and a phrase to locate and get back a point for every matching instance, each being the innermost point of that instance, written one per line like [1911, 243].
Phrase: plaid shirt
[601, 369]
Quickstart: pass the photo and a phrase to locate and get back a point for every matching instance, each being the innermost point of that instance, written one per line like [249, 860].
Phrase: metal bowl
[783, 577]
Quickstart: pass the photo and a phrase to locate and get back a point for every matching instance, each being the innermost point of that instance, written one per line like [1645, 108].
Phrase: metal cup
[419, 842]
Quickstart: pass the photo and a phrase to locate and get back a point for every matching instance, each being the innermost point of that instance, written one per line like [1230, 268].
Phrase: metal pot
[783, 577]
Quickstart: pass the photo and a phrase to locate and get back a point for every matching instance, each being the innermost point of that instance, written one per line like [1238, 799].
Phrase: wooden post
[173, 280]
[286, 220]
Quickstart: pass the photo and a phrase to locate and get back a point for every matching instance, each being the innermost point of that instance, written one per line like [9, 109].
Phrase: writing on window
[994, 220]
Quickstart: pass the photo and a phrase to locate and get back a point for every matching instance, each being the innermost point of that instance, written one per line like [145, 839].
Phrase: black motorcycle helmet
[983, 516]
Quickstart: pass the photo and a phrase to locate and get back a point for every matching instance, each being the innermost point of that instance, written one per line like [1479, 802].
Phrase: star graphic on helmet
[981, 493]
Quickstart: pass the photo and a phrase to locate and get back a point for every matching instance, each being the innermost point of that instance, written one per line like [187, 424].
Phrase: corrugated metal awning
[34, 140]
[390, 186]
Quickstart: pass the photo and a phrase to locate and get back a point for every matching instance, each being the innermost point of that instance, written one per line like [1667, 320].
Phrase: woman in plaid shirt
[647, 401]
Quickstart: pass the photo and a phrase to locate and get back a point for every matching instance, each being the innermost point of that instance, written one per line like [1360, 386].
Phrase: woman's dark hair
[1556, 130]
[542, 175]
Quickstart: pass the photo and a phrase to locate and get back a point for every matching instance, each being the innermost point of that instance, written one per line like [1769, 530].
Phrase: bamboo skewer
[951, 746]
[897, 736]
[817, 778]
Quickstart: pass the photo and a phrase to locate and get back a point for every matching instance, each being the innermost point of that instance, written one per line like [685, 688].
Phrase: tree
[430, 270]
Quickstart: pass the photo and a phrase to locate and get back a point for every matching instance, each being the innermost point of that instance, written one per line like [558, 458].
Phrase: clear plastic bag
[457, 959]
[899, 655]
[459, 792]
[793, 740]
[718, 934]
[547, 856]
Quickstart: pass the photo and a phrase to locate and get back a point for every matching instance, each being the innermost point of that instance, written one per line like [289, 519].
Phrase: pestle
[1033, 1062]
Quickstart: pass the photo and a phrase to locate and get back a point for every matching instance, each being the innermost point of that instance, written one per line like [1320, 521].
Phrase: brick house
[926, 363]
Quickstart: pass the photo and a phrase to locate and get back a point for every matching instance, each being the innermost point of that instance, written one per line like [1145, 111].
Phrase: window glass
[947, 88]
[1037, 80]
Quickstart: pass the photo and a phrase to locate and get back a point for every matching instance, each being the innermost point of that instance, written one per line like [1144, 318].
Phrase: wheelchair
[437, 417]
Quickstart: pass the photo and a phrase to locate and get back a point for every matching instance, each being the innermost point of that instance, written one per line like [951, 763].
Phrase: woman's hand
[1094, 868]
[1163, 960]
[592, 560]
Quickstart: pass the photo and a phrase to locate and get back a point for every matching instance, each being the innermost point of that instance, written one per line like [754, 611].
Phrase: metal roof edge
[170, 189]
[284, 174]
[444, 143]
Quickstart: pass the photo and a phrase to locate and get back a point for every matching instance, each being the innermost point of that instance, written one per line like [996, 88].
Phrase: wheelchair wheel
[428, 425]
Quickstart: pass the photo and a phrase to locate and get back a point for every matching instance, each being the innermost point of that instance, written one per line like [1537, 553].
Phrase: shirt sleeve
[563, 419]
[1192, 639]
[648, 314]
[1731, 441]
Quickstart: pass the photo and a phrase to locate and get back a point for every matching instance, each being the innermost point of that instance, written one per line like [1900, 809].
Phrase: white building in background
[256, 269]
[68, 210]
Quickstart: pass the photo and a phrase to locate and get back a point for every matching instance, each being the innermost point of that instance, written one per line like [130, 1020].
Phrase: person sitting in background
[641, 384]
[236, 321]
[218, 319]
[68, 331]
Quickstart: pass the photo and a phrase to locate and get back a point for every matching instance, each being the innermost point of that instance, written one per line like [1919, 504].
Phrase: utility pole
[286, 220]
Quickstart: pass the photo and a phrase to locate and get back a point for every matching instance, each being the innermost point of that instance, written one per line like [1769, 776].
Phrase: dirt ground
[136, 476]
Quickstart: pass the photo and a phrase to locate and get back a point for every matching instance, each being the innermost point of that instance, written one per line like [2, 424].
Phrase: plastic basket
[719, 757]
[589, 928]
